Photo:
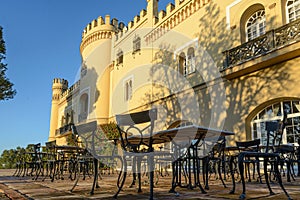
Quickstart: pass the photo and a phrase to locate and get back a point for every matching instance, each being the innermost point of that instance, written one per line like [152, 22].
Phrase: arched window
[191, 60]
[182, 64]
[83, 112]
[255, 25]
[274, 112]
[128, 89]
[292, 10]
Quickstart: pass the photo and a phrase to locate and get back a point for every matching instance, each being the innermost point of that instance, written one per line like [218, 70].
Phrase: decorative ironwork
[64, 129]
[262, 45]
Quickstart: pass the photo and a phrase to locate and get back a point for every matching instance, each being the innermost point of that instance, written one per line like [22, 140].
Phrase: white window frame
[258, 121]
[293, 7]
[256, 24]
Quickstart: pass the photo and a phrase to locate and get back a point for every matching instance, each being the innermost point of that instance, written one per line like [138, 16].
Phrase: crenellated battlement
[99, 29]
[70, 90]
[60, 81]
[161, 22]
[165, 19]
[173, 16]
[58, 87]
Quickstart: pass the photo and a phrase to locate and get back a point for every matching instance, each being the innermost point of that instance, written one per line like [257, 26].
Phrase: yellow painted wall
[225, 98]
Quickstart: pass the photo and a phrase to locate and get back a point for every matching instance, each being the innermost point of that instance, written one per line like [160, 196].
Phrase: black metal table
[183, 137]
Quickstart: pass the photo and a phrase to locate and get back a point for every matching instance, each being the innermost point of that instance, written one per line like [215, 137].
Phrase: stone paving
[22, 188]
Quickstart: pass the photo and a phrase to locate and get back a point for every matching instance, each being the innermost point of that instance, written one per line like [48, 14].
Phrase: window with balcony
[292, 10]
[128, 89]
[255, 25]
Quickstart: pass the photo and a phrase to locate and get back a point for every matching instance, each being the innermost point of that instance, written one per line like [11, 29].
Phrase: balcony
[64, 129]
[262, 45]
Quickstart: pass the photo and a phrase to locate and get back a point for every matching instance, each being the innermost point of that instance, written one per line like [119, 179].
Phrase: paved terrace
[25, 188]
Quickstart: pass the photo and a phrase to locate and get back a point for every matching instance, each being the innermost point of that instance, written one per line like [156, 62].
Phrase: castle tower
[97, 32]
[58, 87]
[96, 52]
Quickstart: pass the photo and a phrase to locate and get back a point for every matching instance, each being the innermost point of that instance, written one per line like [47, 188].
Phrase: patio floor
[25, 188]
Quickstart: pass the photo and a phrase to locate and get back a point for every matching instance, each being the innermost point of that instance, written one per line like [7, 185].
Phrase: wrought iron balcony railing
[64, 129]
[263, 44]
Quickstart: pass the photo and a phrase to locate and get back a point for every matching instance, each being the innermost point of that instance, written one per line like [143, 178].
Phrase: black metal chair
[216, 160]
[98, 149]
[250, 146]
[83, 161]
[268, 156]
[50, 160]
[139, 125]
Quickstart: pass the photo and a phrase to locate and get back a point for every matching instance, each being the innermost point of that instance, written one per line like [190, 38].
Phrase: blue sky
[42, 41]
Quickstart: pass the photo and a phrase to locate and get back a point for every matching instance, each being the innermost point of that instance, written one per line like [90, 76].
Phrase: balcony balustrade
[64, 129]
[264, 44]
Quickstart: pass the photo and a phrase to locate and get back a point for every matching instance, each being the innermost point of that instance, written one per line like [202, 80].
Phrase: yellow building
[222, 64]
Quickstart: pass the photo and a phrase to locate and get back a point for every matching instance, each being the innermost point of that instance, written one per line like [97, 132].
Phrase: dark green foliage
[6, 87]
[9, 158]
[110, 130]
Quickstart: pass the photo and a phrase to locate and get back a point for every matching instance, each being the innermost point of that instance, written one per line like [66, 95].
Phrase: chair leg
[278, 176]
[151, 174]
[122, 176]
[267, 176]
[76, 170]
[133, 172]
[95, 175]
[138, 165]
[241, 168]
[220, 174]
[231, 160]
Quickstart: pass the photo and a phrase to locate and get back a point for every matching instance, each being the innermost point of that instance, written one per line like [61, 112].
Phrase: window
[256, 25]
[274, 112]
[191, 60]
[187, 64]
[136, 44]
[128, 89]
[182, 64]
[120, 57]
[83, 112]
[292, 10]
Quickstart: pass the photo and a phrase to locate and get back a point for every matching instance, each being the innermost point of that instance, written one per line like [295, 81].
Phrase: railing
[263, 44]
[64, 129]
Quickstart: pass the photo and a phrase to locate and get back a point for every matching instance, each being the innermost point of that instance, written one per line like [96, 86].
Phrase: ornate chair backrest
[138, 123]
[86, 132]
[251, 145]
[50, 149]
[274, 131]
